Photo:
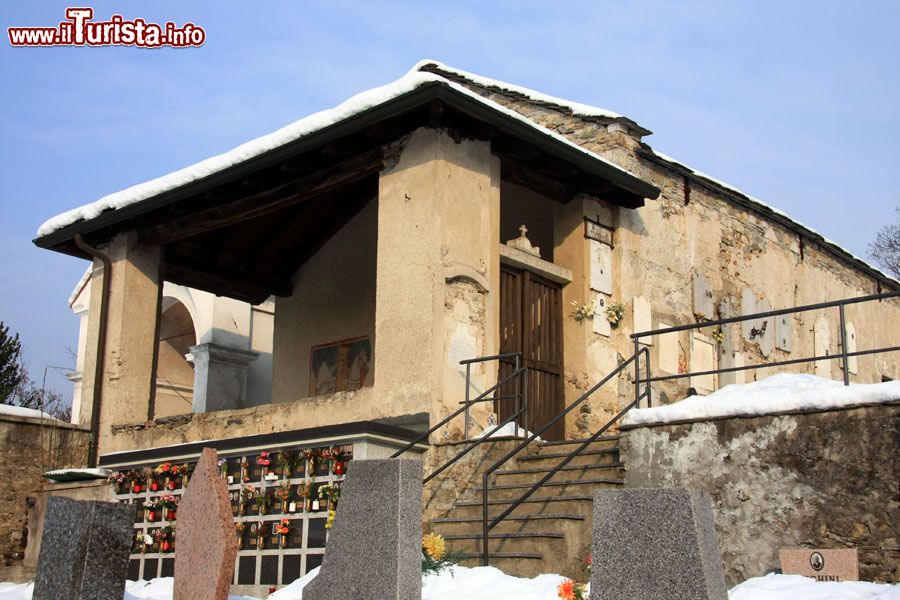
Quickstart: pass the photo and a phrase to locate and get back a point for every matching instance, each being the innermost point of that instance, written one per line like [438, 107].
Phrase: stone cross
[84, 550]
[375, 548]
[206, 545]
[655, 544]
[523, 243]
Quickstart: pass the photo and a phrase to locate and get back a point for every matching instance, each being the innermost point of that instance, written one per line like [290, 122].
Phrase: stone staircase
[551, 531]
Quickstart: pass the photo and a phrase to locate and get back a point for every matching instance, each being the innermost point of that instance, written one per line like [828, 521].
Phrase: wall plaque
[822, 565]
[593, 230]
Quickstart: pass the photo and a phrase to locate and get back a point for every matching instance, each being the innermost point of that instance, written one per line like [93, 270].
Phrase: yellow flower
[434, 546]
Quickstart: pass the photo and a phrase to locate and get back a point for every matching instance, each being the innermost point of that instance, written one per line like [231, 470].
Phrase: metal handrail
[522, 392]
[478, 441]
[843, 355]
[488, 525]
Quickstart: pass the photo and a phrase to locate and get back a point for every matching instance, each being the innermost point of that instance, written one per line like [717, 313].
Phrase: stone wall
[814, 480]
[30, 447]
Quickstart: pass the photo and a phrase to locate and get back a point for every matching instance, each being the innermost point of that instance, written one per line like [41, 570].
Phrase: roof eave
[427, 92]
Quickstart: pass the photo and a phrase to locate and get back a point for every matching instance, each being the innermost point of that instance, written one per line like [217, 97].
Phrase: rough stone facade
[697, 226]
[813, 480]
[31, 447]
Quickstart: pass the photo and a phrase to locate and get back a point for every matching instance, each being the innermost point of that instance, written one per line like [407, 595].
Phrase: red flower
[566, 590]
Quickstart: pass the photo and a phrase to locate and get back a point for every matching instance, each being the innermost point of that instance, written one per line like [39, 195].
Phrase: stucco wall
[29, 448]
[333, 300]
[814, 480]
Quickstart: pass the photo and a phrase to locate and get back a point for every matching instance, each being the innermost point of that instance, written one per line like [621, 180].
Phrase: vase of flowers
[283, 529]
[169, 504]
[284, 494]
[248, 494]
[312, 456]
[264, 501]
[151, 510]
[239, 531]
[287, 461]
[261, 537]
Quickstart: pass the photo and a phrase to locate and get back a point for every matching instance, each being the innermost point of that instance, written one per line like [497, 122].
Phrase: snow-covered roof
[576, 108]
[19, 411]
[808, 232]
[85, 277]
[304, 127]
[77, 474]
[778, 394]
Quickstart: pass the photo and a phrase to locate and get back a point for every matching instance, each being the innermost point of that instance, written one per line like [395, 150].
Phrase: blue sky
[798, 103]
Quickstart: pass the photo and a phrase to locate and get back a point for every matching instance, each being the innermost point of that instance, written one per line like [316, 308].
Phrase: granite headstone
[206, 544]
[84, 550]
[655, 544]
[375, 548]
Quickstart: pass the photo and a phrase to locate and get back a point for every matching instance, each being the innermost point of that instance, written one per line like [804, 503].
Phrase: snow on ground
[795, 587]
[488, 583]
[786, 392]
[507, 431]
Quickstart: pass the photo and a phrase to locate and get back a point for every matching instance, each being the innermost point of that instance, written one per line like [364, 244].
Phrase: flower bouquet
[435, 556]
[287, 461]
[283, 529]
[170, 506]
[248, 495]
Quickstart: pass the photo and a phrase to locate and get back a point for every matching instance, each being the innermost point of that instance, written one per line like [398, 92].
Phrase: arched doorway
[174, 374]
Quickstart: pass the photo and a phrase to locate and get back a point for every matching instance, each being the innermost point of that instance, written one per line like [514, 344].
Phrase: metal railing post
[637, 369]
[484, 520]
[518, 392]
[466, 416]
[844, 350]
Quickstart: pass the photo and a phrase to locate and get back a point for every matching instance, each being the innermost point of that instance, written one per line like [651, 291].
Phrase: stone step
[538, 505]
[517, 535]
[569, 473]
[571, 486]
[547, 543]
[514, 523]
[559, 445]
[587, 455]
[538, 471]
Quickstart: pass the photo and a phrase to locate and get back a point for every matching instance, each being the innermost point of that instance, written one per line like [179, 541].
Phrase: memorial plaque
[594, 230]
[821, 565]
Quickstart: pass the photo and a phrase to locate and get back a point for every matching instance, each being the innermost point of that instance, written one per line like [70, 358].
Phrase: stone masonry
[816, 480]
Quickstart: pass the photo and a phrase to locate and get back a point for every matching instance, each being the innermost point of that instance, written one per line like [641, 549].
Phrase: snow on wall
[18, 411]
[783, 393]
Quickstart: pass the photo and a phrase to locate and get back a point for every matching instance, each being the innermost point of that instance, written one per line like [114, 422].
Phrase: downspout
[101, 346]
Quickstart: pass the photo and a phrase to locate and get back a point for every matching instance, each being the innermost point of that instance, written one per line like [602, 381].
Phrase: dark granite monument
[655, 544]
[84, 550]
[206, 544]
[375, 549]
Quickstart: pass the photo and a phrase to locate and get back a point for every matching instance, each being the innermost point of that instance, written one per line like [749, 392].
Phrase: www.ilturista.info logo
[81, 30]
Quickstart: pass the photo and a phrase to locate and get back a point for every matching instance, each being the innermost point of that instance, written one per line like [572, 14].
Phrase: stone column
[131, 335]
[437, 262]
[220, 376]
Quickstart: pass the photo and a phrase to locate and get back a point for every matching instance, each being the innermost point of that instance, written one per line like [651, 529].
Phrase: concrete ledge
[519, 258]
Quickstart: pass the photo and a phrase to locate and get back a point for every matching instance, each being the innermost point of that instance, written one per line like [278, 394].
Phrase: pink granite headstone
[206, 543]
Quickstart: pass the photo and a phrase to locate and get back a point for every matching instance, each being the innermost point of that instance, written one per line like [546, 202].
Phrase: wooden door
[531, 323]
